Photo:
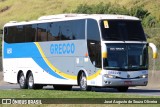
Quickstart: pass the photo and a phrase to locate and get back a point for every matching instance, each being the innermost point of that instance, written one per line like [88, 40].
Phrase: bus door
[94, 45]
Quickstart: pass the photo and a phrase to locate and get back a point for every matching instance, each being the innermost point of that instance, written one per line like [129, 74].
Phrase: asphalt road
[132, 90]
[152, 89]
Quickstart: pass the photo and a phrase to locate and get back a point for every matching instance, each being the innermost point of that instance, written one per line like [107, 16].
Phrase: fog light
[144, 76]
[109, 76]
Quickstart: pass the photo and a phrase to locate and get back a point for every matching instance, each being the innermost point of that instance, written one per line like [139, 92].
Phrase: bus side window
[20, 36]
[66, 30]
[30, 33]
[10, 36]
[78, 29]
[6, 34]
[53, 31]
[42, 32]
[93, 42]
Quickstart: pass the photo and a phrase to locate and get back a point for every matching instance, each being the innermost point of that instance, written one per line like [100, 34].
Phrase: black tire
[83, 83]
[30, 82]
[62, 87]
[22, 81]
[122, 89]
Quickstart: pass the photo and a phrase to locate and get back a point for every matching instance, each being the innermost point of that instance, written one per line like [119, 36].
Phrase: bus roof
[63, 17]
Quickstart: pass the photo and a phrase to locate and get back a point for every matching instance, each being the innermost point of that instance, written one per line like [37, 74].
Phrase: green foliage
[149, 21]
[101, 8]
[138, 11]
[63, 94]
[83, 8]
[12, 10]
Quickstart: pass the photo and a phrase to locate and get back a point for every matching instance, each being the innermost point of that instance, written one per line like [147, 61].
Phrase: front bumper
[125, 82]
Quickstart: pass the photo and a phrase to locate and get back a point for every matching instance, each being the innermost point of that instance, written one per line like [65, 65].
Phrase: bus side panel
[10, 70]
[45, 77]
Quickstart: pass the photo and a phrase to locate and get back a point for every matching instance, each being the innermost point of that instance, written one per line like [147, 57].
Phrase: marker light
[154, 49]
[104, 51]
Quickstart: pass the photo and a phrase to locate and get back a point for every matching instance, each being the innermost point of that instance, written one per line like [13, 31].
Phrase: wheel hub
[83, 82]
[30, 81]
[22, 80]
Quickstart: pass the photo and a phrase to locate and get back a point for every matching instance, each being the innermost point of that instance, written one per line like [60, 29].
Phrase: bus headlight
[109, 76]
[144, 76]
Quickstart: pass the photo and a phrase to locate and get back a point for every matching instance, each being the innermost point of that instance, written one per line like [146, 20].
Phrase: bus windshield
[126, 57]
[122, 30]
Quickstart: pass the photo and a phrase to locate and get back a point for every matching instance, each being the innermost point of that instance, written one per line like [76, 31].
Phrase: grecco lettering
[64, 48]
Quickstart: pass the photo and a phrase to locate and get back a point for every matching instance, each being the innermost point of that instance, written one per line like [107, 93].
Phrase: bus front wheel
[22, 81]
[83, 83]
[31, 84]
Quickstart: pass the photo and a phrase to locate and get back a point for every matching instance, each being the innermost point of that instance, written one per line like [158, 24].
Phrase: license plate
[127, 82]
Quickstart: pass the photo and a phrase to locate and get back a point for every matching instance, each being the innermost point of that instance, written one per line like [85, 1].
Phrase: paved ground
[152, 89]
[1, 79]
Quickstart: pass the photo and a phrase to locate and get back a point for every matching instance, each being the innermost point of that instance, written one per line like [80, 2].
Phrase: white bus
[76, 50]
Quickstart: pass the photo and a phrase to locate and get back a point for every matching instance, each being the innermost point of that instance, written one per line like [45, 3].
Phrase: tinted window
[78, 29]
[54, 31]
[30, 33]
[122, 30]
[64, 30]
[92, 30]
[9, 34]
[93, 42]
[20, 34]
[42, 32]
[14, 34]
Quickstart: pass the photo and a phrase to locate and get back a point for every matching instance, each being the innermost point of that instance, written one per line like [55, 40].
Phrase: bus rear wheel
[83, 83]
[22, 81]
[122, 89]
[30, 82]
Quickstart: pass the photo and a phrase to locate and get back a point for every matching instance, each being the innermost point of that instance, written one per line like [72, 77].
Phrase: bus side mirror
[154, 49]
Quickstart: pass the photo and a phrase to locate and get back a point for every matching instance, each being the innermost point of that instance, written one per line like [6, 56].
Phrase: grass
[70, 94]
[21, 10]
[64, 94]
